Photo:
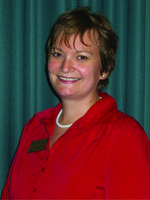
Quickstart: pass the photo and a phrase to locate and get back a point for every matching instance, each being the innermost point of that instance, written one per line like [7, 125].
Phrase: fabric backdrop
[24, 89]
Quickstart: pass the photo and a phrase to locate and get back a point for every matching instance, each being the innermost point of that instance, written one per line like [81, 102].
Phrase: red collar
[103, 111]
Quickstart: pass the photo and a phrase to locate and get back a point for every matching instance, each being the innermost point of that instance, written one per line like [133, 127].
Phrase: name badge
[37, 145]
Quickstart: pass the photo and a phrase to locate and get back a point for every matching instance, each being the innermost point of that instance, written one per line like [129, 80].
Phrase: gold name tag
[37, 145]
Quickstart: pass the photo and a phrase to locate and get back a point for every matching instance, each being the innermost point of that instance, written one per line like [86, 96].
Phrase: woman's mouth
[68, 79]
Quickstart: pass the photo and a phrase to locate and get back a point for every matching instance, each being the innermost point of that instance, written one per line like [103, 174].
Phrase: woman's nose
[67, 65]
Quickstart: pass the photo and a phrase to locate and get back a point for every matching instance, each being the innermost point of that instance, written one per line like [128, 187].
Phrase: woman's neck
[74, 109]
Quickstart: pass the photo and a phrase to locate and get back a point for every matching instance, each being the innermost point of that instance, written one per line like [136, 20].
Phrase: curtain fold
[24, 88]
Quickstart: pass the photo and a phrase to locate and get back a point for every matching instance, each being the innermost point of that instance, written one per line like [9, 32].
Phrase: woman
[84, 148]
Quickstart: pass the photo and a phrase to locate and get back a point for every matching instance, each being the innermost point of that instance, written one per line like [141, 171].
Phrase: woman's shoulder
[127, 127]
[126, 122]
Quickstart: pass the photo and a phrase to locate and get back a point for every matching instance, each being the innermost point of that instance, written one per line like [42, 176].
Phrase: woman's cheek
[84, 71]
[52, 66]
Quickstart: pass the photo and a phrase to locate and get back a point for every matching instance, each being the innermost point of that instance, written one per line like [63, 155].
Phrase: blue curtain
[24, 89]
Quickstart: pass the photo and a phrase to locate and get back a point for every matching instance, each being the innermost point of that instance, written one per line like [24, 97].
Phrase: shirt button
[43, 169]
[47, 158]
[34, 190]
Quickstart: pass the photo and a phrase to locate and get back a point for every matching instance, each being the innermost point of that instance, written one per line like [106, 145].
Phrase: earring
[103, 75]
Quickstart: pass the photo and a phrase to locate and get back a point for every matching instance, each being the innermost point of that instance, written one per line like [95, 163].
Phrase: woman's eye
[82, 58]
[56, 54]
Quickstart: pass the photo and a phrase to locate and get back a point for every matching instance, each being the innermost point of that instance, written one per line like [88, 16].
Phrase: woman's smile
[68, 80]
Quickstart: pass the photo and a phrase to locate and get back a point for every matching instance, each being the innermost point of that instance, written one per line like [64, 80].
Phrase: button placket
[40, 178]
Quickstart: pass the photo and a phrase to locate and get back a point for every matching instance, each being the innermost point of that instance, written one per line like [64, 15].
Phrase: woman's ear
[104, 75]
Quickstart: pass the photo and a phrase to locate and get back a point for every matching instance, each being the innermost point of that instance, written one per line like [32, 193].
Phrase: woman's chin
[65, 93]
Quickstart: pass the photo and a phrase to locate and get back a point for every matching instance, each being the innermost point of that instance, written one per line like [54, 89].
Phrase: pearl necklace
[60, 125]
[64, 126]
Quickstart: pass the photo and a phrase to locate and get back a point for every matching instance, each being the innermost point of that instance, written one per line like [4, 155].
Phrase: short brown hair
[77, 22]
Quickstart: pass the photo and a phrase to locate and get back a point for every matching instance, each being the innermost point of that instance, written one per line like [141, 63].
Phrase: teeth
[68, 79]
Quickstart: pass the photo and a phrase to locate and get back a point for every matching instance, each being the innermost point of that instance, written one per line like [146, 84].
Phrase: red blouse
[104, 155]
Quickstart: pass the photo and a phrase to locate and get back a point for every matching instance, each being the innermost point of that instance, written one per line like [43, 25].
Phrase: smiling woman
[84, 148]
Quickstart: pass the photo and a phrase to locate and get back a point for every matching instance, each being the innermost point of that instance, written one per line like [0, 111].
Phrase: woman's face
[75, 71]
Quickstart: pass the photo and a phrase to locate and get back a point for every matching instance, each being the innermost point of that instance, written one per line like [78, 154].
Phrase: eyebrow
[77, 51]
[56, 48]
[82, 51]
